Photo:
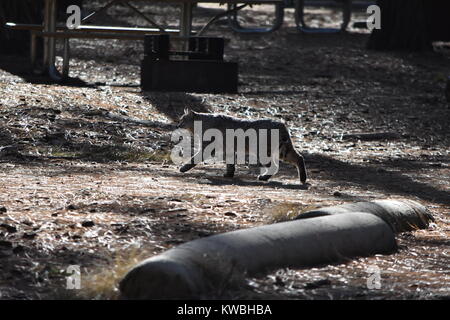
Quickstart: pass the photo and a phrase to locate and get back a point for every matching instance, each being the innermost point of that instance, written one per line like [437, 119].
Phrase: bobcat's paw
[185, 168]
[303, 179]
[264, 177]
[228, 175]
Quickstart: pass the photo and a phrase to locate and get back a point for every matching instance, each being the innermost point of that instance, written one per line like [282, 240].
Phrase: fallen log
[329, 235]
[196, 268]
[401, 215]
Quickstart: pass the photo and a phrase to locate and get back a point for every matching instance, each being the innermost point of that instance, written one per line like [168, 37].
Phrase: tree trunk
[403, 26]
[18, 11]
[411, 24]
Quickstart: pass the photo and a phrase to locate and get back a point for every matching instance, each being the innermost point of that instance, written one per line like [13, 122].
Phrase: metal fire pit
[199, 69]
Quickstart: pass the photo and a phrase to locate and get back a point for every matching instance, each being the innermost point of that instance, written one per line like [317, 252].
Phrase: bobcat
[286, 150]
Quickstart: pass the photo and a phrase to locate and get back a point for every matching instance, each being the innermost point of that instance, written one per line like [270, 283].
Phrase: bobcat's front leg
[264, 177]
[268, 170]
[230, 171]
[188, 166]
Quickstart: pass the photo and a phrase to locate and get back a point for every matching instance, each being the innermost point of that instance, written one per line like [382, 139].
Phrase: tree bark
[403, 26]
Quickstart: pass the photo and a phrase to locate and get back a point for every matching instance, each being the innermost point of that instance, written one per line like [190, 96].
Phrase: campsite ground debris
[96, 187]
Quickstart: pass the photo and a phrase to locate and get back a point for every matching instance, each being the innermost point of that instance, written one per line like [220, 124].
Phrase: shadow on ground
[21, 67]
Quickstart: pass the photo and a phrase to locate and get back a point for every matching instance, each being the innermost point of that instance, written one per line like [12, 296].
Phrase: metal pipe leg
[346, 14]
[234, 23]
[52, 28]
[66, 58]
[186, 23]
[218, 16]
[53, 72]
[303, 27]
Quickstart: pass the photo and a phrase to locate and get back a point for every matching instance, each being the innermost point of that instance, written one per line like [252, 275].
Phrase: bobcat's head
[187, 120]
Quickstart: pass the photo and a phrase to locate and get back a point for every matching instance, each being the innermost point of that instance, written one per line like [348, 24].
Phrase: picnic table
[50, 31]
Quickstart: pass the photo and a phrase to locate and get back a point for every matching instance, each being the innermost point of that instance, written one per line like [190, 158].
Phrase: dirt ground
[84, 181]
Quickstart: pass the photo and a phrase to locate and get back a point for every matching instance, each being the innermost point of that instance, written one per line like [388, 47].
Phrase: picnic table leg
[49, 42]
[33, 51]
[186, 23]
[302, 26]
[46, 26]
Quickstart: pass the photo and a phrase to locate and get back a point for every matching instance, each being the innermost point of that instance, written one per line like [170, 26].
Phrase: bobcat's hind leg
[293, 157]
[230, 171]
[301, 169]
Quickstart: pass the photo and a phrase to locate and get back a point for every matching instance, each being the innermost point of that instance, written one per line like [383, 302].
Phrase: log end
[160, 278]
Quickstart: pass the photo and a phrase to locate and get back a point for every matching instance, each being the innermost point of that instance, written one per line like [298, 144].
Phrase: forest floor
[84, 182]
